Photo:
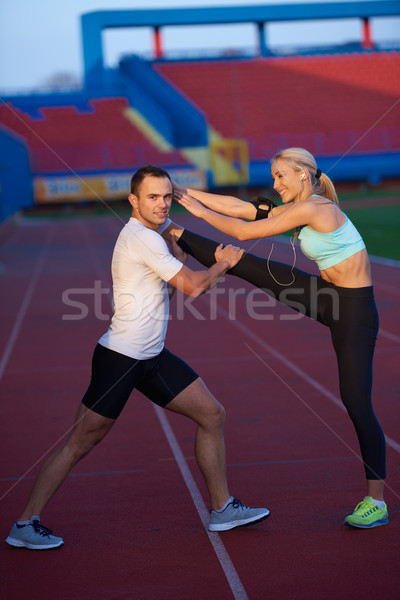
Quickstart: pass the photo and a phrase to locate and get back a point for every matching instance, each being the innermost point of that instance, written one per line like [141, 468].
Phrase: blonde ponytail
[324, 187]
[300, 159]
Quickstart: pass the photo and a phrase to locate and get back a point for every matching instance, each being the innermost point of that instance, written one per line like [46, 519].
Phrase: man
[131, 354]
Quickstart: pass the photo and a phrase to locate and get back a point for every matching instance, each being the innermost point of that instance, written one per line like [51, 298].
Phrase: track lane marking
[390, 336]
[230, 572]
[25, 302]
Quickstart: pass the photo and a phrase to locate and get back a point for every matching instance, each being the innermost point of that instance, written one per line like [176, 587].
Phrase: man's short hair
[148, 170]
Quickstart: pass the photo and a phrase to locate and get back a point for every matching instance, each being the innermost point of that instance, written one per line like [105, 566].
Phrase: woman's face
[287, 182]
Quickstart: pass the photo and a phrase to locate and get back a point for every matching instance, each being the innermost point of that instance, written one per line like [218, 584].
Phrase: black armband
[262, 213]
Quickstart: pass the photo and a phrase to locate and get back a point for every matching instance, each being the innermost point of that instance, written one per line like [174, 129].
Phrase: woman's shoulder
[319, 199]
[323, 203]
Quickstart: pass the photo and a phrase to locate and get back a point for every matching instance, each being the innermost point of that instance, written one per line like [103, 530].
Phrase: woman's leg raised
[294, 288]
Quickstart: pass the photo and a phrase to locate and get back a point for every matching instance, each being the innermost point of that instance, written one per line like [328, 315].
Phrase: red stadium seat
[66, 139]
[308, 101]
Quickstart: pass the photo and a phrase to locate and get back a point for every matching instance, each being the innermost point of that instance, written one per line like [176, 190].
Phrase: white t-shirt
[141, 266]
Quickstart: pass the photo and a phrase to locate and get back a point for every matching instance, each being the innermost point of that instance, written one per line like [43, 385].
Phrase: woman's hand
[230, 254]
[191, 204]
[178, 188]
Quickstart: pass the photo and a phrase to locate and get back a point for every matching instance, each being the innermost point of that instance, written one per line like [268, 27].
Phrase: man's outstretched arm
[195, 283]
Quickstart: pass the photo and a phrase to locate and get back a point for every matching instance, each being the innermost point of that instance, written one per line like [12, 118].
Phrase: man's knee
[222, 414]
[89, 431]
[80, 446]
[217, 415]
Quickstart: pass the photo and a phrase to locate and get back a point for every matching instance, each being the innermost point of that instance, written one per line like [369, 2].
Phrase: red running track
[132, 513]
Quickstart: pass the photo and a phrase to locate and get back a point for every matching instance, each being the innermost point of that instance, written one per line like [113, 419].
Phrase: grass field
[376, 218]
[379, 227]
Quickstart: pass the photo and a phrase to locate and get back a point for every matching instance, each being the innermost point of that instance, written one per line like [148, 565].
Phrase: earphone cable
[291, 270]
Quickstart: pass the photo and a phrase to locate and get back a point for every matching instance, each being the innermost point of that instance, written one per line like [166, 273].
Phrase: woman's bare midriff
[354, 272]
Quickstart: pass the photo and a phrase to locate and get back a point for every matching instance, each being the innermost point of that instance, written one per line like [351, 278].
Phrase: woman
[341, 297]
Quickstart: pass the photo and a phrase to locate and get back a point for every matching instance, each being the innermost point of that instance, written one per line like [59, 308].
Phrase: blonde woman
[340, 298]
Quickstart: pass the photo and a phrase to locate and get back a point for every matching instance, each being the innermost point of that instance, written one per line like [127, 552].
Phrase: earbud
[302, 177]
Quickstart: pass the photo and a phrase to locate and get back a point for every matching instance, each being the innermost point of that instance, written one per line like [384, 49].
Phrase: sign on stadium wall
[113, 186]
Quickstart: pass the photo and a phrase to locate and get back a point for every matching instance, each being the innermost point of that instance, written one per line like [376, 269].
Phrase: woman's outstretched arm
[225, 205]
[293, 215]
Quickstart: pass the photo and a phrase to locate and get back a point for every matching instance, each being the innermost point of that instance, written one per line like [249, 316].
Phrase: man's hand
[176, 250]
[230, 254]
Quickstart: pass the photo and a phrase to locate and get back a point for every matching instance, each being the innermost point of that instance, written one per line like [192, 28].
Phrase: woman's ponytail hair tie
[318, 174]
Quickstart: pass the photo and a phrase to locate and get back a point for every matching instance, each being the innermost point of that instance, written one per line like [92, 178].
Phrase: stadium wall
[16, 191]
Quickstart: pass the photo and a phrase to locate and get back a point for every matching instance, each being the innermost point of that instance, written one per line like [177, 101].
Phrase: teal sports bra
[329, 249]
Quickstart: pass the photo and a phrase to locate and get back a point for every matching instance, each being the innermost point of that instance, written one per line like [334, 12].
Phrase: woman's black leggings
[350, 314]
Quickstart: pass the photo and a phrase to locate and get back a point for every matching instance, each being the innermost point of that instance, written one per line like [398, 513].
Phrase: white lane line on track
[386, 262]
[290, 365]
[388, 335]
[25, 303]
[388, 288]
[230, 572]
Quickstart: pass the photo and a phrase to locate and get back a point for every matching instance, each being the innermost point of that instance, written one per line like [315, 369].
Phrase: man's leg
[174, 385]
[197, 403]
[89, 429]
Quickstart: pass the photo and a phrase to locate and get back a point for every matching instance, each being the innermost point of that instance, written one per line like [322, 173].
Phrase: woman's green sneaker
[366, 514]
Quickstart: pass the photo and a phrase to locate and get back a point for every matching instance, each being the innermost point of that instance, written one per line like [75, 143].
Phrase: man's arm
[195, 283]
[178, 253]
[175, 229]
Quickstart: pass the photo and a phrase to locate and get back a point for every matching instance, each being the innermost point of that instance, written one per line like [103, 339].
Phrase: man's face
[153, 202]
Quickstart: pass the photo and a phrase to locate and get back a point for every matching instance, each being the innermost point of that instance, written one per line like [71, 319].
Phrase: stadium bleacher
[324, 103]
[65, 138]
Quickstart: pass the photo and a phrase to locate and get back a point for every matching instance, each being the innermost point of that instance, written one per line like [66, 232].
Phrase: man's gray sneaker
[236, 514]
[33, 535]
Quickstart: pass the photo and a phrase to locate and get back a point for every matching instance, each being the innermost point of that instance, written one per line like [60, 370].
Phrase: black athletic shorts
[115, 376]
